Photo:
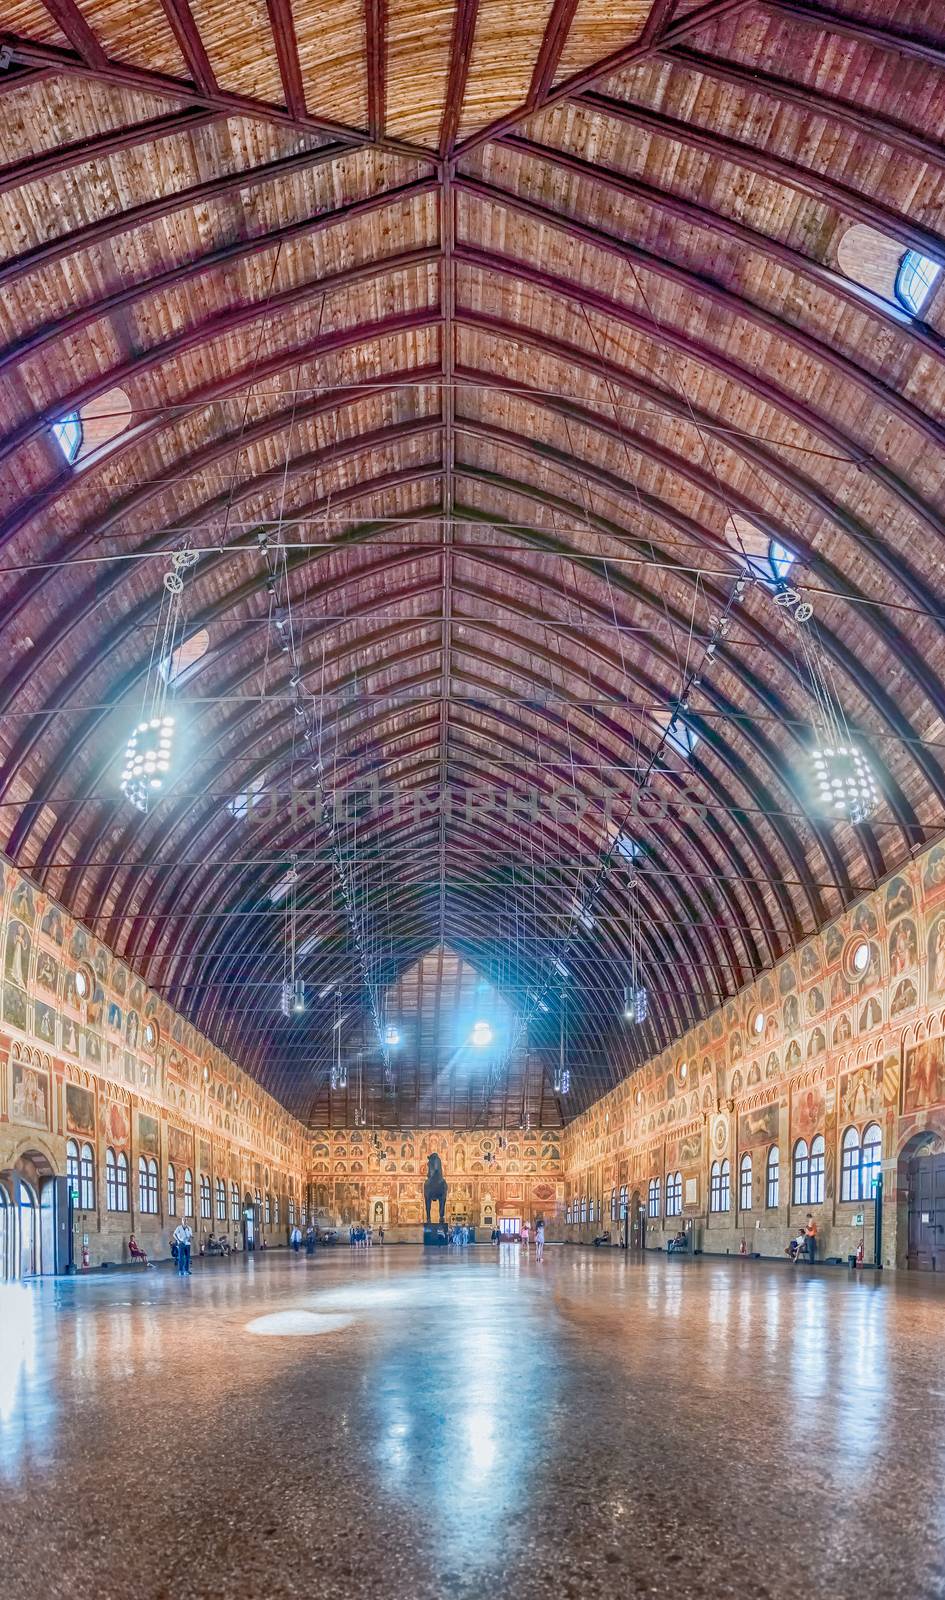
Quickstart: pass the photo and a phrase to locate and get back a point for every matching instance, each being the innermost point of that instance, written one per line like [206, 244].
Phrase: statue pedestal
[435, 1233]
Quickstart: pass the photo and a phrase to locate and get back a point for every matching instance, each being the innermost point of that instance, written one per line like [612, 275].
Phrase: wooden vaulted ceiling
[496, 318]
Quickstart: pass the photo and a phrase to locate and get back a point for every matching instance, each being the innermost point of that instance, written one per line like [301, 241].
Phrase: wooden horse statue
[435, 1186]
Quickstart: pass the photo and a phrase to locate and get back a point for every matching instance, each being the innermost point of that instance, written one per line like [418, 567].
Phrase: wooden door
[926, 1251]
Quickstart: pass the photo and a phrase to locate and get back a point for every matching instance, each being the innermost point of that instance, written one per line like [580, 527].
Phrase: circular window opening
[860, 957]
[83, 982]
[758, 1022]
[150, 1035]
[639, 1097]
[683, 1069]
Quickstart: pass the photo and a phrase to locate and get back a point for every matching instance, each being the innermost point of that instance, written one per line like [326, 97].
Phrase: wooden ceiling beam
[30, 52]
[48, 164]
[191, 45]
[461, 45]
[627, 56]
[218, 326]
[849, 202]
[82, 317]
[900, 41]
[717, 360]
[635, 588]
[71, 22]
[375, 28]
[282, 24]
[638, 191]
[208, 618]
[815, 102]
[556, 32]
[116, 225]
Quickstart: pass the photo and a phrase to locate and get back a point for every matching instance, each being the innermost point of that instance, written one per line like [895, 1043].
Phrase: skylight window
[280, 890]
[67, 432]
[182, 661]
[309, 944]
[561, 968]
[915, 280]
[241, 803]
[627, 847]
[679, 736]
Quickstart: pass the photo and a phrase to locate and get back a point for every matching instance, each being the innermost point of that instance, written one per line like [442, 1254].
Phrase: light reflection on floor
[397, 1424]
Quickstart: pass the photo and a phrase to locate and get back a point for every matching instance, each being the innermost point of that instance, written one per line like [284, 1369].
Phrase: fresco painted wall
[88, 1052]
[834, 1049]
[359, 1174]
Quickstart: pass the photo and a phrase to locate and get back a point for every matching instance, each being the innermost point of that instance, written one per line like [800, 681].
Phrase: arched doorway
[249, 1222]
[6, 1234]
[30, 1214]
[921, 1203]
[28, 1230]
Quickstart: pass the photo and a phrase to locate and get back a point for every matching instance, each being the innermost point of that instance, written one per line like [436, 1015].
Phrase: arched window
[171, 1191]
[801, 1173]
[72, 1168]
[591, 1209]
[583, 1209]
[872, 1160]
[291, 1212]
[720, 1186]
[116, 1180]
[653, 1198]
[744, 1184]
[67, 432]
[817, 1154]
[147, 1187]
[86, 1178]
[188, 1193]
[679, 736]
[206, 1210]
[915, 280]
[850, 1165]
[234, 1203]
[613, 1205]
[275, 1211]
[221, 1200]
[623, 1201]
[773, 1177]
[268, 1209]
[674, 1194]
[182, 662]
[764, 557]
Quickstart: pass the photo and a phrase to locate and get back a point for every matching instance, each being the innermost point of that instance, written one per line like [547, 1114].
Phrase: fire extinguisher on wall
[743, 1247]
[85, 1251]
[859, 1254]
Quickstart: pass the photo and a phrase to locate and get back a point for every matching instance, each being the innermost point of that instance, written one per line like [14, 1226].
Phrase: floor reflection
[427, 1427]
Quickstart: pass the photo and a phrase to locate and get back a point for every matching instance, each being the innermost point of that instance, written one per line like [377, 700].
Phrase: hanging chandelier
[636, 1000]
[150, 747]
[292, 998]
[562, 1077]
[842, 784]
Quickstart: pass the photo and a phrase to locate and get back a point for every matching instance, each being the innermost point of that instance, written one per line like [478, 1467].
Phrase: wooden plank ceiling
[495, 320]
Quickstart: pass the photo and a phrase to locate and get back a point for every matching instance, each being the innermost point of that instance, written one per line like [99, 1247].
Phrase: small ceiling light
[481, 1035]
[391, 1035]
[636, 1003]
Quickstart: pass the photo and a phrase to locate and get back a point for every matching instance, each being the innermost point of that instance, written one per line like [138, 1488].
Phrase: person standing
[810, 1234]
[310, 1240]
[525, 1237]
[182, 1237]
[295, 1238]
[539, 1239]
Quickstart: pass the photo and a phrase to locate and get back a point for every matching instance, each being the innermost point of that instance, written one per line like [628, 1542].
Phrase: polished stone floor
[385, 1423]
